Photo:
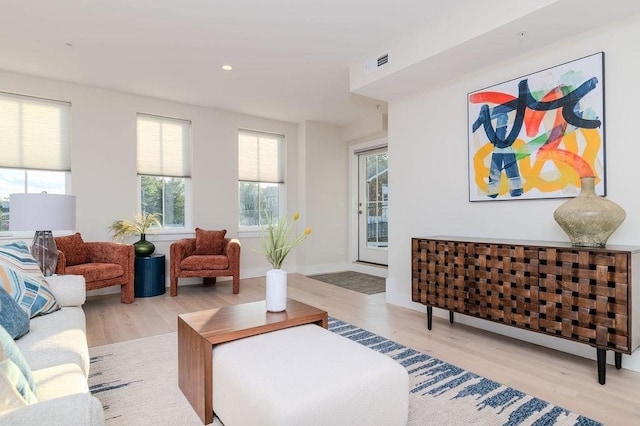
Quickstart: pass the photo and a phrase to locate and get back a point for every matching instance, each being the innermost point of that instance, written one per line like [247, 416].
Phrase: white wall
[429, 177]
[103, 158]
[104, 179]
[370, 127]
[324, 187]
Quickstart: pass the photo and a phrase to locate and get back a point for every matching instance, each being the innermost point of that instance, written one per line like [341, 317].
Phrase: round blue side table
[149, 275]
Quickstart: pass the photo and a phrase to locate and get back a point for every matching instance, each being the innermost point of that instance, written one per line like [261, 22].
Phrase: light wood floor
[562, 379]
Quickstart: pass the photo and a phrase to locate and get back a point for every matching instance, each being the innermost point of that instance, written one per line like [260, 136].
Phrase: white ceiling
[487, 33]
[291, 57]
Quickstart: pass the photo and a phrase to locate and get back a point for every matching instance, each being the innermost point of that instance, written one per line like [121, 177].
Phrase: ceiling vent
[373, 64]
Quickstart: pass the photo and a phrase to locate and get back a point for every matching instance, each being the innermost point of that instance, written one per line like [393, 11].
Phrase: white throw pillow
[15, 391]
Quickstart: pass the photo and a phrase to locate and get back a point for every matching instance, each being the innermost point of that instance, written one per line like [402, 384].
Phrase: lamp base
[45, 252]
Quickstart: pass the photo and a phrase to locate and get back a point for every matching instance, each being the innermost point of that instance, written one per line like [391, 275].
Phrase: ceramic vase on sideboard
[588, 219]
[276, 290]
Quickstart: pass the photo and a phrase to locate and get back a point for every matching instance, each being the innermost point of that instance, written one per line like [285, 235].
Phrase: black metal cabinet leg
[429, 317]
[451, 317]
[618, 357]
[601, 355]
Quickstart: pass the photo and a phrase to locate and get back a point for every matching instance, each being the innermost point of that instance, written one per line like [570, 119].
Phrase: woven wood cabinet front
[579, 294]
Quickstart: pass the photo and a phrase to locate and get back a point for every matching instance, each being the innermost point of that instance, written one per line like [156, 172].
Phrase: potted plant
[277, 241]
[141, 225]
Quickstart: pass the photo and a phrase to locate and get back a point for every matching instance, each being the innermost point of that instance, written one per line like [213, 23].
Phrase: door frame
[352, 245]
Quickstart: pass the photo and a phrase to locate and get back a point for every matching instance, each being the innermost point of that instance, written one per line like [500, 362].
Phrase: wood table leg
[618, 358]
[324, 322]
[451, 317]
[601, 355]
[195, 377]
[429, 317]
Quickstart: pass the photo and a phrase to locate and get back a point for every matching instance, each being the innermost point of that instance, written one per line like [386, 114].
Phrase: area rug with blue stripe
[443, 394]
[137, 383]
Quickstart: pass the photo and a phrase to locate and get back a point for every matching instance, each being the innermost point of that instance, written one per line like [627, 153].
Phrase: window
[164, 167]
[260, 177]
[34, 148]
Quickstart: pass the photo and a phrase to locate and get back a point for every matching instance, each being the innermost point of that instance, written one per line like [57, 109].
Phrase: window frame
[67, 191]
[186, 228]
[33, 161]
[187, 207]
[255, 230]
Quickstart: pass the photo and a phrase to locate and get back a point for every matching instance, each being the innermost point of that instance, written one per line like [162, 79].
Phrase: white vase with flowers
[278, 239]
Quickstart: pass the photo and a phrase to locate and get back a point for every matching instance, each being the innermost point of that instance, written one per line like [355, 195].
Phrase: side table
[149, 275]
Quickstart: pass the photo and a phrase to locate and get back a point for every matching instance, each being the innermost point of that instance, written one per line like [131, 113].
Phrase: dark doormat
[356, 281]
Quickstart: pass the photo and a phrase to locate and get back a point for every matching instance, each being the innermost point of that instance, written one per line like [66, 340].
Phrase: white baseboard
[326, 268]
[367, 268]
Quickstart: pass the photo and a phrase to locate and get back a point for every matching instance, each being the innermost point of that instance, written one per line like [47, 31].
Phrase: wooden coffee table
[199, 331]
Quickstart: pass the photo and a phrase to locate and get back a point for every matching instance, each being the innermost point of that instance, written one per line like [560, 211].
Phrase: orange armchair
[209, 255]
[102, 264]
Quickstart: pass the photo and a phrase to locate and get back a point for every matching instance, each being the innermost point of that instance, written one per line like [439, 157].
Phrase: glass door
[373, 202]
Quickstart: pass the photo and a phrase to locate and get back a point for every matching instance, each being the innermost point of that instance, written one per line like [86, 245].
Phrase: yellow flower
[296, 216]
[307, 231]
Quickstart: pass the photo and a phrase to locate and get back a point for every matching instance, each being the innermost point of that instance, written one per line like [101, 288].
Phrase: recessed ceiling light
[227, 67]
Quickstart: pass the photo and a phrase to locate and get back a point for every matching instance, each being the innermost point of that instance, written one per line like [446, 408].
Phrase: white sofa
[57, 353]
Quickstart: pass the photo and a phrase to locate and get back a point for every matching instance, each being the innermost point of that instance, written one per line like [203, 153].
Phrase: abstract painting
[536, 136]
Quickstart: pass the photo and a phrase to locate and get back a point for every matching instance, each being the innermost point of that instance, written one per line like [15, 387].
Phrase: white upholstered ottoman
[307, 375]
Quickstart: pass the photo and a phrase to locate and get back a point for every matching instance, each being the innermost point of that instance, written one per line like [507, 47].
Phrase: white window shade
[260, 157]
[164, 147]
[34, 133]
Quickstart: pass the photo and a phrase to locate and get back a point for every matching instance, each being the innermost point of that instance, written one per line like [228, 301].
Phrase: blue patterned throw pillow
[12, 317]
[21, 277]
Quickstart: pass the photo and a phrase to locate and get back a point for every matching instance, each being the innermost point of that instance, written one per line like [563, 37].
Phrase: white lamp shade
[42, 212]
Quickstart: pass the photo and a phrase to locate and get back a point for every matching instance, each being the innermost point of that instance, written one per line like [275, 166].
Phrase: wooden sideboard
[575, 293]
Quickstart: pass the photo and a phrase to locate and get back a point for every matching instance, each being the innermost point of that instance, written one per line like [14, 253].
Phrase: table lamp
[42, 213]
